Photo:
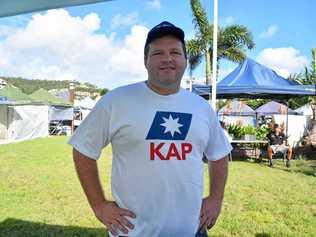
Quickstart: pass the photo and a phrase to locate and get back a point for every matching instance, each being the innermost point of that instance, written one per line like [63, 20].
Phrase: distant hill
[28, 86]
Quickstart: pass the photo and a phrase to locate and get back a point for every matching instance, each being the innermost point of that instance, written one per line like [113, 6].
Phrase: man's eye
[156, 53]
[176, 52]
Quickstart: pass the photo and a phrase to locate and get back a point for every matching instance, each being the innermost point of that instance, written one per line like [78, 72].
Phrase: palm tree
[308, 77]
[232, 41]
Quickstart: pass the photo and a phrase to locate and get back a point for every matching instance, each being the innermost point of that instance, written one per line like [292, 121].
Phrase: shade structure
[273, 107]
[86, 103]
[253, 80]
[15, 7]
[305, 110]
[42, 95]
[237, 108]
[12, 93]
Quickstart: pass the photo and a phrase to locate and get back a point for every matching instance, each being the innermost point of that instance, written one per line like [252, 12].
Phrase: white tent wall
[27, 122]
[297, 125]
[3, 121]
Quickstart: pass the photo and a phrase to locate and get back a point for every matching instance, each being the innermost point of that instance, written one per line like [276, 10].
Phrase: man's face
[165, 63]
[278, 130]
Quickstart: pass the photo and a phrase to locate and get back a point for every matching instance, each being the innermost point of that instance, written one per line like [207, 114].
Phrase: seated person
[277, 144]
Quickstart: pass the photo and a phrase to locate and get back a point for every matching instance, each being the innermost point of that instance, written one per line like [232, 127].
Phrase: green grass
[40, 195]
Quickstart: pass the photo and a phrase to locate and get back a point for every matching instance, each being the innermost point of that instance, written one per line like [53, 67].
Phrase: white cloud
[271, 31]
[153, 4]
[284, 61]
[58, 46]
[120, 20]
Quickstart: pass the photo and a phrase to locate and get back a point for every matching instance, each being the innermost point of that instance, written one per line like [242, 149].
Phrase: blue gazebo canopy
[253, 80]
[251, 73]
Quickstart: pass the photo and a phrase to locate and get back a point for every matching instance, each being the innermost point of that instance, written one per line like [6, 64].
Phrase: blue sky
[103, 43]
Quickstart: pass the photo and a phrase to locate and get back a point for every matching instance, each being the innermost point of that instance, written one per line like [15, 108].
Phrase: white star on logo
[171, 125]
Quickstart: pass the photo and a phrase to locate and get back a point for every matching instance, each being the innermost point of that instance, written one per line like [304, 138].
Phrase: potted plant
[262, 132]
[236, 131]
[250, 132]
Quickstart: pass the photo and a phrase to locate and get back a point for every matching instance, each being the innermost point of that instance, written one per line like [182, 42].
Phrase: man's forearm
[218, 171]
[88, 174]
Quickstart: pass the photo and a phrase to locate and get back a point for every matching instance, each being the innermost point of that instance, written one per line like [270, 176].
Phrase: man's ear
[145, 62]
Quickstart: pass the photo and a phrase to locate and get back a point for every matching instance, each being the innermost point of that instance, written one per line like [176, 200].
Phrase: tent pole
[7, 122]
[287, 122]
[214, 62]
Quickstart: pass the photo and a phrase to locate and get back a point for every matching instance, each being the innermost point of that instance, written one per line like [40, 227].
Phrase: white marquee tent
[20, 122]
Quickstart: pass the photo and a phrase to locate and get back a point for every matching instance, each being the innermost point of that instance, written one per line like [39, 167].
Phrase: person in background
[277, 144]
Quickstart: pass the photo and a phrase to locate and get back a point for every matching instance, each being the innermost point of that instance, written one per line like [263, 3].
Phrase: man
[277, 145]
[159, 133]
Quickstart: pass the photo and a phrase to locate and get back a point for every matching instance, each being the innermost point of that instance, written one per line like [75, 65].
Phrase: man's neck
[160, 90]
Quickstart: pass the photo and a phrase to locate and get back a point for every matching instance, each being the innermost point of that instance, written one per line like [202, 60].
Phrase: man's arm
[211, 205]
[106, 211]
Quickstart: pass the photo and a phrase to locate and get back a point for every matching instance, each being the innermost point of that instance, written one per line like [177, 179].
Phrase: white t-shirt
[157, 144]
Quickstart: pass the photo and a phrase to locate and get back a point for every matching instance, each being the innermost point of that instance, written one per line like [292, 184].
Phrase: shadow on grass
[262, 235]
[20, 228]
[306, 167]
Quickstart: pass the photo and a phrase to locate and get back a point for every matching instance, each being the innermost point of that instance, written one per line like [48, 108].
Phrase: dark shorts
[204, 234]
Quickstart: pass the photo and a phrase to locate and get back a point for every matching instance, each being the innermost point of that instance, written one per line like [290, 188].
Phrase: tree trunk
[207, 67]
[313, 106]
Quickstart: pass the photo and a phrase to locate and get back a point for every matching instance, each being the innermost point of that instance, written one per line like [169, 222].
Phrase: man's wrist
[215, 198]
[96, 206]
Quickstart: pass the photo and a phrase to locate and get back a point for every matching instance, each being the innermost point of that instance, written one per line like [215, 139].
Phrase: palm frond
[200, 21]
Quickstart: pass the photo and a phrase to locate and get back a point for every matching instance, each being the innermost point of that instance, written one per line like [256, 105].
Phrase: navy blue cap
[162, 29]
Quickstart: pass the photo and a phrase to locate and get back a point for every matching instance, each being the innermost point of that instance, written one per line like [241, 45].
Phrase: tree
[307, 77]
[103, 91]
[232, 41]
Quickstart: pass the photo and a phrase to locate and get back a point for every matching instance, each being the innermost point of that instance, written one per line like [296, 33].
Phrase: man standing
[277, 145]
[159, 134]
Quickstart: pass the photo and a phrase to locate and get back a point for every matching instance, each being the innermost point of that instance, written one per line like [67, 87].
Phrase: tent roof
[251, 73]
[305, 110]
[236, 108]
[273, 107]
[14, 94]
[42, 95]
[86, 103]
[15, 7]
[253, 80]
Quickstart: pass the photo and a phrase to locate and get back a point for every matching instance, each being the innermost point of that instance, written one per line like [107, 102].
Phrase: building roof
[42, 95]
[14, 94]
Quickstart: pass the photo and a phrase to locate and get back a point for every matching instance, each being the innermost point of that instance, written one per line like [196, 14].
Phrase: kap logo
[169, 126]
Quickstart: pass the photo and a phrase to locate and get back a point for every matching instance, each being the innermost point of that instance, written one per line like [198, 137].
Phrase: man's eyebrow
[156, 50]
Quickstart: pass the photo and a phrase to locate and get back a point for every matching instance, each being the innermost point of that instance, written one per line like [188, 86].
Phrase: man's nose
[168, 57]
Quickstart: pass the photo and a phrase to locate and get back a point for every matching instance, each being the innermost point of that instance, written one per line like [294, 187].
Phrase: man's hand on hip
[209, 213]
[114, 217]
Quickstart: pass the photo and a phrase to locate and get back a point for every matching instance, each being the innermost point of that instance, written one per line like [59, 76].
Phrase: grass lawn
[40, 195]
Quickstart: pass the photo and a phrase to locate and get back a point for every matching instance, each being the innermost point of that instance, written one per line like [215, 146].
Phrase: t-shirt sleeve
[218, 145]
[93, 134]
